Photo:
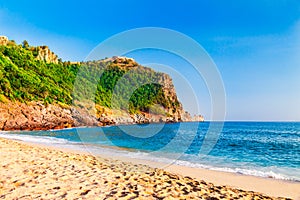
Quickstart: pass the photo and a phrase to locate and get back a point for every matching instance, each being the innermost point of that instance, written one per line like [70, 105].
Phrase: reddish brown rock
[37, 116]
[34, 116]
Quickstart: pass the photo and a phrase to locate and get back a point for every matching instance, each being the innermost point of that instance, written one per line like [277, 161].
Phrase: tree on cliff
[25, 44]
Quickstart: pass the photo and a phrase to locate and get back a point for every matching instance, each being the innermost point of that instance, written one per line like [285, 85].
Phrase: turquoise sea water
[266, 149]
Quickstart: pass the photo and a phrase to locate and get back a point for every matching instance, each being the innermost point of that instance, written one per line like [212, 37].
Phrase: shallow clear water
[267, 149]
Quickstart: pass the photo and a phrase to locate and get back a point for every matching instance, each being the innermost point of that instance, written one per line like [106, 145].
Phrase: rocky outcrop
[45, 54]
[37, 116]
[197, 118]
[117, 117]
[175, 110]
[33, 116]
[3, 40]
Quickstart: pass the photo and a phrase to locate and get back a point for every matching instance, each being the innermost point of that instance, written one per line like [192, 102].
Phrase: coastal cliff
[36, 91]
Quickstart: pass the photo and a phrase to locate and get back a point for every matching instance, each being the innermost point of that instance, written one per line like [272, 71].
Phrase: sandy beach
[31, 171]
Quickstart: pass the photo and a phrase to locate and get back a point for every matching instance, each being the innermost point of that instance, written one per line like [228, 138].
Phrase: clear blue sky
[255, 44]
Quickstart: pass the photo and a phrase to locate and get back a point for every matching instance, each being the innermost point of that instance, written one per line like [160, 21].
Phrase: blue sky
[255, 44]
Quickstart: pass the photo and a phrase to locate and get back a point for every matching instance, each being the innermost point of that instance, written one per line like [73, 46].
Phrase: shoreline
[142, 160]
[99, 126]
[267, 186]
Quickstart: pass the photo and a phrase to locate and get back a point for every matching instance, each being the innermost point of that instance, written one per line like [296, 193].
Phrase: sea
[263, 149]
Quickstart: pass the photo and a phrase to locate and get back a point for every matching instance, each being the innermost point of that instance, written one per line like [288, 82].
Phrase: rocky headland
[36, 92]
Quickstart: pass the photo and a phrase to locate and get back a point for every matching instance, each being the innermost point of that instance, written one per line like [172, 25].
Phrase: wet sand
[36, 172]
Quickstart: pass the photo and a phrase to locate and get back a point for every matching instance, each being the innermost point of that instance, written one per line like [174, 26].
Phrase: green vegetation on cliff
[25, 78]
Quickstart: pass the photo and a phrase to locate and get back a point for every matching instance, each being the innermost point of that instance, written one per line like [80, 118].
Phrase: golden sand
[35, 172]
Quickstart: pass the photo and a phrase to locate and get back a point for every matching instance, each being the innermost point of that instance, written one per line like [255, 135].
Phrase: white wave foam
[63, 129]
[34, 139]
[256, 171]
[276, 173]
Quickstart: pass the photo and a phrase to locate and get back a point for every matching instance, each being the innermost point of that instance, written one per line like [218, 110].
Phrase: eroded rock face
[45, 54]
[176, 111]
[34, 116]
[37, 116]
